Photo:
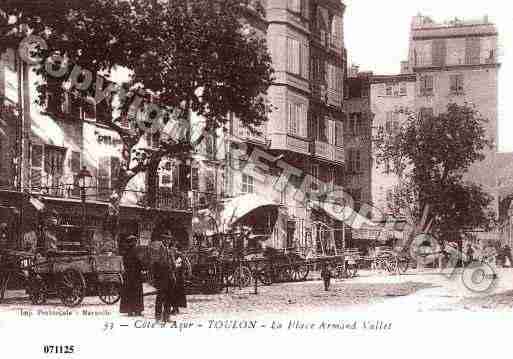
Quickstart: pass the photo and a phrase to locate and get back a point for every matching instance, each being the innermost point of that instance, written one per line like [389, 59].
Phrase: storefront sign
[108, 140]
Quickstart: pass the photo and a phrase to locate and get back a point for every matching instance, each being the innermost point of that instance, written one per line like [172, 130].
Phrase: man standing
[178, 296]
[132, 301]
[163, 272]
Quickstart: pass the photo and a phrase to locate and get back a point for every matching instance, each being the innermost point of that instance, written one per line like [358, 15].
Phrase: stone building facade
[392, 98]
[49, 143]
[457, 62]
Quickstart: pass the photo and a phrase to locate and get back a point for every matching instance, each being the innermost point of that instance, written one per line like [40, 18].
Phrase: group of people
[165, 265]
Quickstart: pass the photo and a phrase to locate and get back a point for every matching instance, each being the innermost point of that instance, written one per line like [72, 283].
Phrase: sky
[377, 32]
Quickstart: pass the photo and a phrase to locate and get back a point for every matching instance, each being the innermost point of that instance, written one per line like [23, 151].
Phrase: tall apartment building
[451, 62]
[392, 98]
[306, 41]
[456, 62]
[358, 137]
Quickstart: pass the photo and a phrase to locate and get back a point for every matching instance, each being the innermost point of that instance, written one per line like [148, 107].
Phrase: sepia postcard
[255, 177]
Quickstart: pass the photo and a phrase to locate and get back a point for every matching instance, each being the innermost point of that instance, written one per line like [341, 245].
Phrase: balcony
[328, 151]
[287, 142]
[323, 150]
[244, 134]
[100, 191]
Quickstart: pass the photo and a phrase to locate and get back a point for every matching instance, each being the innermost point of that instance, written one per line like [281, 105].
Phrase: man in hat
[163, 273]
[178, 297]
[132, 301]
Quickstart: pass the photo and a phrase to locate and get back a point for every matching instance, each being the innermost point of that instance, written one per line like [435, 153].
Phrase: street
[369, 291]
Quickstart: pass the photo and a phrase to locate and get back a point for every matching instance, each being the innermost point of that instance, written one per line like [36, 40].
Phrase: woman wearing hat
[132, 301]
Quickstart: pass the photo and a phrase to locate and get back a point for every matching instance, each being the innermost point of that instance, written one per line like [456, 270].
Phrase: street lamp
[84, 177]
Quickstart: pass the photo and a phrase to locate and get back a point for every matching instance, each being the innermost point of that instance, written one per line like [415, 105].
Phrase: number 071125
[58, 349]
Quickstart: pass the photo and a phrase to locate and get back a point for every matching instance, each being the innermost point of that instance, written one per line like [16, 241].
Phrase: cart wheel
[300, 272]
[352, 269]
[403, 264]
[36, 290]
[266, 275]
[109, 292]
[71, 287]
[242, 277]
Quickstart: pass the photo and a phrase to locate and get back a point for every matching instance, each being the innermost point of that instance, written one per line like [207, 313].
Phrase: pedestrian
[506, 253]
[163, 276]
[470, 254]
[132, 302]
[326, 275]
[178, 296]
[4, 235]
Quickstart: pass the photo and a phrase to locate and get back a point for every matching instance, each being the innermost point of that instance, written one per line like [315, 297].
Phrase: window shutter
[75, 162]
[36, 167]
[104, 177]
[115, 167]
[304, 60]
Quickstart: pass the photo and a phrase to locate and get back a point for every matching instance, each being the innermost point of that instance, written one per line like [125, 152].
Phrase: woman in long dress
[132, 301]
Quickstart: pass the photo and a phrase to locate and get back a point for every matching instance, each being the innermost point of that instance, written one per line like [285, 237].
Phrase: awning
[240, 208]
[345, 214]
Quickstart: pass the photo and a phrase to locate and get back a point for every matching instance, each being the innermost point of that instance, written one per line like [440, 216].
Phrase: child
[326, 275]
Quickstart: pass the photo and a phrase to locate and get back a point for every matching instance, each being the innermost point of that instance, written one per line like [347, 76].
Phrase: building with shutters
[392, 99]
[305, 129]
[451, 62]
[457, 62]
[357, 137]
[45, 147]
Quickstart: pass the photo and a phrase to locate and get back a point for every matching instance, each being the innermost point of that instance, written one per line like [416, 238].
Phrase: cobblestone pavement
[367, 292]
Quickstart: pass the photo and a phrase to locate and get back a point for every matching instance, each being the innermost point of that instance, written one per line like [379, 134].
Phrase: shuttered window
[104, 178]
[472, 50]
[36, 167]
[297, 119]
[439, 52]
[339, 134]
[426, 85]
[456, 84]
[294, 56]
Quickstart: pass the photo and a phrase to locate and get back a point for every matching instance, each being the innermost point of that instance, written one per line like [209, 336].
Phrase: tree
[193, 55]
[430, 155]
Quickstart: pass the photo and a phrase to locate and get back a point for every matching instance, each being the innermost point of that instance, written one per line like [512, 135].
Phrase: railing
[169, 200]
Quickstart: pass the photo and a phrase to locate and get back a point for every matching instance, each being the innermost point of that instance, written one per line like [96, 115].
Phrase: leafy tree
[430, 156]
[184, 55]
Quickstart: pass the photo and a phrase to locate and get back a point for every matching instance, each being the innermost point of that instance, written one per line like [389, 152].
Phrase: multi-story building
[358, 137]
[456, 62]
[305, 128]
[392, 99]
[451, 62]
[48, 144]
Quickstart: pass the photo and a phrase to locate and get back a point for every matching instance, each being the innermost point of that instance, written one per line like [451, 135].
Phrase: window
[426, 85]
[36, 167]
[209, 182]
[390, 197]
[456, 84]
[322, 132]
[298, 6]
[354, 165]
[339, 176]
[472, 50]
[108, 175]
[248, 184]
[355, 124]
[388, 90]
[54, 166]
[314, 172]
[334, 78]
[194, 179]
[402, 89]
[392, 122]
[294, 56]
[339, 134]
[439, 52]
[317, 71]
[297, 119]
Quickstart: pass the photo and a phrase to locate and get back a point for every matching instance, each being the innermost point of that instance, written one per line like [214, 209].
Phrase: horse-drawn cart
[70, 276]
